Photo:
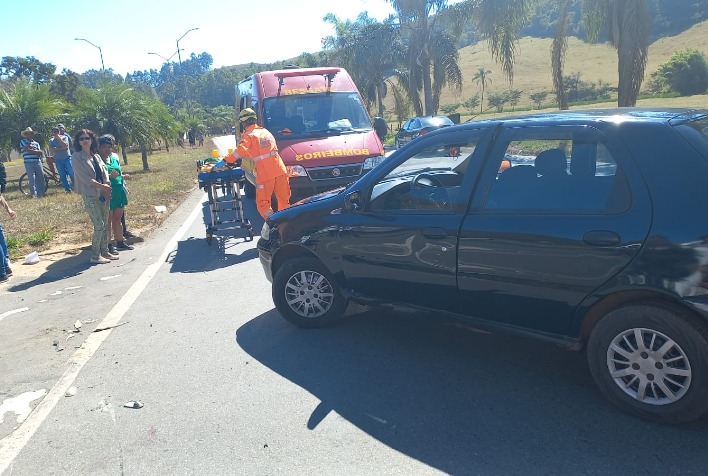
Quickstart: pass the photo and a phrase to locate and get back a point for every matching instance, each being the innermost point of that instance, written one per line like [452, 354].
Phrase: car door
[540, 239]
[402, 246]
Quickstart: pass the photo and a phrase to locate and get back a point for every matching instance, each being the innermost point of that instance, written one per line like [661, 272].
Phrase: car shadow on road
[467, 402]
[64, 268]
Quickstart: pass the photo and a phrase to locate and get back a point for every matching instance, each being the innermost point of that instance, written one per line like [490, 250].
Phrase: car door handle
[601, 238]
[437, 233]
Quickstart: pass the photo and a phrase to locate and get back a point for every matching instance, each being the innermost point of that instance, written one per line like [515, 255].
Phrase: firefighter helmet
[246, 114]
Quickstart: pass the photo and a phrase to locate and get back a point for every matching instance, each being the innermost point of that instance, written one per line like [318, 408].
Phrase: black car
[418, 126]
[588, 229]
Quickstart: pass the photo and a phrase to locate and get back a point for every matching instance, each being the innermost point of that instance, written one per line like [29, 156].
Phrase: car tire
[249, 189]
[307, 295]
[652, 361]
[397, 144]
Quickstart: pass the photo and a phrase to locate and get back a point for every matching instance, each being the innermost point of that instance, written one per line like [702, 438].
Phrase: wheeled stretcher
[224, 195]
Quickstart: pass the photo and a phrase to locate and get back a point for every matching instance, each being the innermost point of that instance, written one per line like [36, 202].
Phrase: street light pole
[103, 68]
[167, 60]
[179, 56]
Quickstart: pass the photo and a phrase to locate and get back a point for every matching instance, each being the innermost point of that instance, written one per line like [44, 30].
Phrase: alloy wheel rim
[309, 294]
[649, 366]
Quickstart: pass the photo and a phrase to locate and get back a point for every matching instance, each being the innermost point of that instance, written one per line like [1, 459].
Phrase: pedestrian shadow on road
[72, 265]
[464, 401]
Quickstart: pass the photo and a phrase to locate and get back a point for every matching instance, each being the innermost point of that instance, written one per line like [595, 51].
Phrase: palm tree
[369, 50]
[27, 105]
[481, 77]
[133, 117]
[430, 64]
[627, 22]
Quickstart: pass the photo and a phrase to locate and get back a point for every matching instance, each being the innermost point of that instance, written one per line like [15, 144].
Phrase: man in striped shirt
[32, 155]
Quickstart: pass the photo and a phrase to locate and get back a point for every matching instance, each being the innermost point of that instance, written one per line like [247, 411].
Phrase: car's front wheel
[652, 361]
[307, 295]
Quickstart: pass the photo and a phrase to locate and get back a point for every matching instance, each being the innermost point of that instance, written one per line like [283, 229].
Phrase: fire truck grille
[338, 171]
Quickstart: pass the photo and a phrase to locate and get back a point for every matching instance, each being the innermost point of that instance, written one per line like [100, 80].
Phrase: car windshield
[436, 121]
[315, 115]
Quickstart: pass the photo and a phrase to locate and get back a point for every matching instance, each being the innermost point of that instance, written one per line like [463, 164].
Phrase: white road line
[14, 311]
[11, 445]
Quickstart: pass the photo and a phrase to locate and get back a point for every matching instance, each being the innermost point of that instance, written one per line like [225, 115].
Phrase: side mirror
[380, 127]
[353, 202]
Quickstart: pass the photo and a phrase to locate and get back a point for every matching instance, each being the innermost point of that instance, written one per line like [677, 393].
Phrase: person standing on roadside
[92, 183]
[259, 145]
[32, 155]
[119, 197]
[62, 131]
[114, 155]
[5, 271]
[59, 147]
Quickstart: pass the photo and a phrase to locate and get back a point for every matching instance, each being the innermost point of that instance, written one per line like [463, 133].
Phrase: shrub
[686, 73]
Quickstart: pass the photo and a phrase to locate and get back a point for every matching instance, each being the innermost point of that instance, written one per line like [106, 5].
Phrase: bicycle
[50, 176]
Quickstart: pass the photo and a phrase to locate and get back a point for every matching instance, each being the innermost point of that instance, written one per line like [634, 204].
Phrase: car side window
[429, 181]
[559, 175]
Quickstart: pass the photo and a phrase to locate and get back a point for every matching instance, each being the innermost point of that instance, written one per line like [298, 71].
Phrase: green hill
[594, 62]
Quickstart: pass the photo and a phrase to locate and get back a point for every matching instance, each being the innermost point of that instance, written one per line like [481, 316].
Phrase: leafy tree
[498, 100]
[538, 98]
[472, 103]
[514, 96]
[481, 77]
[66, 84]
[448, 109]
[686, 73]
[14, 67]
[27, 105]
[93, 77]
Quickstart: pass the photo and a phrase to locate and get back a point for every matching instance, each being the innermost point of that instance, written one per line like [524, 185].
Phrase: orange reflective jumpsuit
[258, 145]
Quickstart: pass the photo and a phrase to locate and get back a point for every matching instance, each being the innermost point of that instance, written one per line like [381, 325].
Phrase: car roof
[439, 119]
[611, 115]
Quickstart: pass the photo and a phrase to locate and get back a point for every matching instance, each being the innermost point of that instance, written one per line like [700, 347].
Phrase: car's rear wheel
[652, 361]
[307, 295]
[397, 143]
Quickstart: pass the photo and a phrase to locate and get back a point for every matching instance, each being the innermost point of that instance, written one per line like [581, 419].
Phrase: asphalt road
[229, 387]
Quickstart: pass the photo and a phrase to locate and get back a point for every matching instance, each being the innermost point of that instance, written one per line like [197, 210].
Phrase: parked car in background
[418, 126]
[588, 229]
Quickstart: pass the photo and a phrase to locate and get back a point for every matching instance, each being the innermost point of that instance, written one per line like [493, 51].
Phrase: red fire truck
[323, 131]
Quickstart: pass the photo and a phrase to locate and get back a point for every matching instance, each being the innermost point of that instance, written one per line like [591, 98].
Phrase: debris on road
[160, 208]
[77, 325]
[133, 404]
[71, 391]
[58, 346]
[110, 327]
[32, 258]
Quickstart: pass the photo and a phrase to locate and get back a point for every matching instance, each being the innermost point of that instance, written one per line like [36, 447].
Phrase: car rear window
[696, 133]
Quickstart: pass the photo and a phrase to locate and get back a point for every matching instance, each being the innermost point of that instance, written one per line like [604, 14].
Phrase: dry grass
[60, 221]
[532, 71]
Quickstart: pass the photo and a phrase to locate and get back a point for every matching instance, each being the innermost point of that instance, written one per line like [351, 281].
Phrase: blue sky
[126, 30]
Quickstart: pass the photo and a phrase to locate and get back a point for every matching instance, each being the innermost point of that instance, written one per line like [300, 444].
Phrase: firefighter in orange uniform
[258, 144]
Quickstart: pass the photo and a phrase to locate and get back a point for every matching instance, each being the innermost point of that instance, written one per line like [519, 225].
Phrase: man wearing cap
[32, 155]
[258, 145]
[59, 146]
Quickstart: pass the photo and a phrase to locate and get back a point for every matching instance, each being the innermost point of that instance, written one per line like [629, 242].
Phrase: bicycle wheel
[23, 184]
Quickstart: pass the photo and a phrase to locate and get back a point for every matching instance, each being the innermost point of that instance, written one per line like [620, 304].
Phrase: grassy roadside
[59, 221]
